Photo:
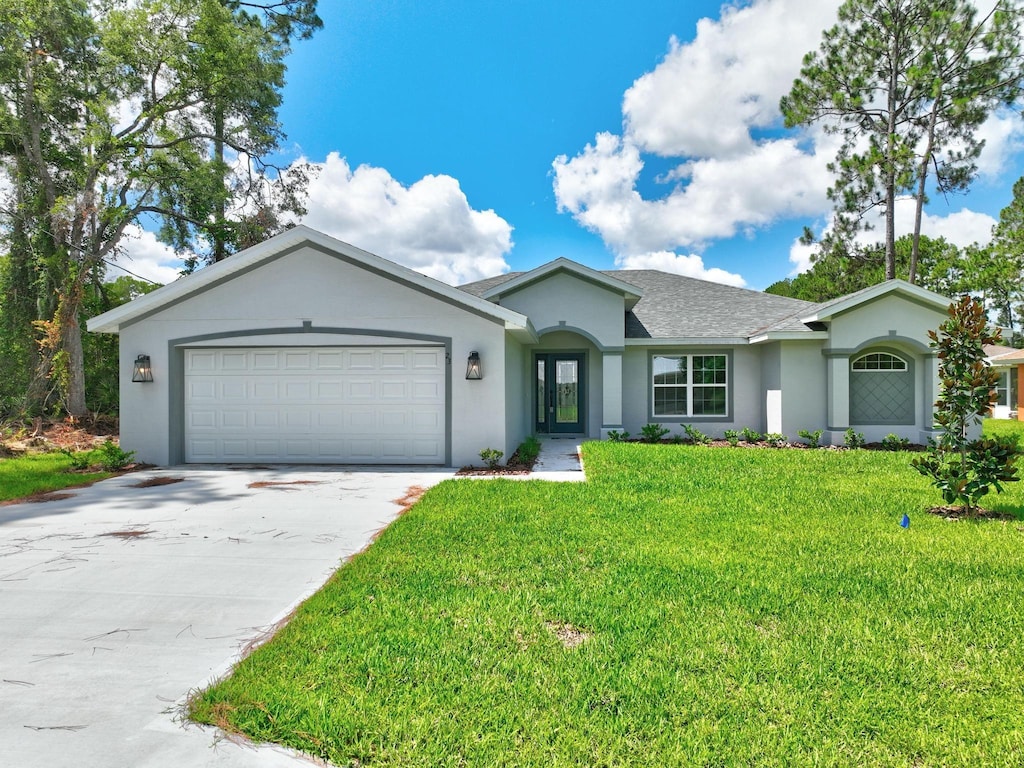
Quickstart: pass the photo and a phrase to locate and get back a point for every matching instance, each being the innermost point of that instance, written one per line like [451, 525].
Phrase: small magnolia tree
[964, 470]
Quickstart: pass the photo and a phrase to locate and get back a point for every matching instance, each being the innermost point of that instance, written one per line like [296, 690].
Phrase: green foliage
[89, 151]
[853, 438]
[491, 457]
[652, 433]
[79, 460]
[615, 436]
[733, 437]
[113, 458]
[528, 450]
[840, 268]
[40, 473]
[694, 435]
[906, 84]
[776, 439]
[813, 438]
[893, 442]
[750, 435]
[962, 469]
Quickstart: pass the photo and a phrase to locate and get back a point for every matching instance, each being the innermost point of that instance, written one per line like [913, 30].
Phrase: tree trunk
[915, 249]
[890, 177]
[220, 250]
[71, 343]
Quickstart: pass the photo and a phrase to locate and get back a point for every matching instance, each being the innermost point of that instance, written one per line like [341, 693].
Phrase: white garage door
[338, 405]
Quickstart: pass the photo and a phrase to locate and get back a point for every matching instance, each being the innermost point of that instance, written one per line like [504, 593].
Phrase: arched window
[881, 389]
[879, 361]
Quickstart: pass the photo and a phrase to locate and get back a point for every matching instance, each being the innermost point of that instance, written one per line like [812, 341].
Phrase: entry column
[611, 381]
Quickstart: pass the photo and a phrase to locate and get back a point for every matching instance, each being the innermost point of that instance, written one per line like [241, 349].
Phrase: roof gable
[829, 309]
[281, 245]
[607, 280]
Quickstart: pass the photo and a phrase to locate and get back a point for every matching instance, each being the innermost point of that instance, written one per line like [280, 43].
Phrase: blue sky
[468, 138]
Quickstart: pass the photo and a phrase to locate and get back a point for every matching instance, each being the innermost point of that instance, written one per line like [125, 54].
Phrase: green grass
[740, 607]
[37, 473]
[1004, 428]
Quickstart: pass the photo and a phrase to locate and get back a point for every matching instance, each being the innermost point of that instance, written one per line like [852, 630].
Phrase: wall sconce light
[473, 369]
[143, 370]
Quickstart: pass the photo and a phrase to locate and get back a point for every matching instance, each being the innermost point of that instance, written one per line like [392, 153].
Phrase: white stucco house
[306, 349]
[1009, 363]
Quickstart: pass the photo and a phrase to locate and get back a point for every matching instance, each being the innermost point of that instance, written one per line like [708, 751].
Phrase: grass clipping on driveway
[687, 606]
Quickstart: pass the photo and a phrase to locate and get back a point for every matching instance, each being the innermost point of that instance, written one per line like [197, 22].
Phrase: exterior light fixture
[143, 370]
[473, 369]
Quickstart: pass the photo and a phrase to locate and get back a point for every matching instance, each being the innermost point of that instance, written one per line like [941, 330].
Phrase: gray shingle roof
[674, 306]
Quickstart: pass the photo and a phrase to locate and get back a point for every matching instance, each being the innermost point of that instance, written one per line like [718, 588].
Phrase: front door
[559, 393]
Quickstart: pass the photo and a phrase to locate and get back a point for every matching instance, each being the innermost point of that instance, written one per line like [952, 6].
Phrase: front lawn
[39, 473]
[687, 606]
[1004, 428]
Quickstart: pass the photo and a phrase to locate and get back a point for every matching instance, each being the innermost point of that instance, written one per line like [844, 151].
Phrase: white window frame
[690, 386]
[1003, 389]
[903, 363]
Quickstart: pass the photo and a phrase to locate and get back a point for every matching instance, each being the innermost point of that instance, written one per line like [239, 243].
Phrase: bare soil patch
[73, 434]
[567, 634]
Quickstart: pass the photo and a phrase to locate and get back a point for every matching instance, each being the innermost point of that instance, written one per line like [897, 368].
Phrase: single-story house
[1010, 364]
[306, 349]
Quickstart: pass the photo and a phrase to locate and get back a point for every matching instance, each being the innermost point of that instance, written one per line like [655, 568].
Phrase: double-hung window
[690, 385]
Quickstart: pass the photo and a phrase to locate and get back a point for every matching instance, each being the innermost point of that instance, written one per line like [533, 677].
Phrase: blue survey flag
[905, 522]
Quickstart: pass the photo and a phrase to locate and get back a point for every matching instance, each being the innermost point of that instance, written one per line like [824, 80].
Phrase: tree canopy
[120, 113]
[905, 84]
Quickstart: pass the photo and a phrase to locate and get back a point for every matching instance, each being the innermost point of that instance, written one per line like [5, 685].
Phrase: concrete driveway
[118, 601]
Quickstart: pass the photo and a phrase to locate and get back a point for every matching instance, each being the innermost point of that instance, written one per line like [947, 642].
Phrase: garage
[316, 405]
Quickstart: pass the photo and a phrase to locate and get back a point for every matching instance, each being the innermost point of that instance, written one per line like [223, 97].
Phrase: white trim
[689, 341]
[789, 336]
[631, 293]
[854, 361]
[112, 320]
[690, 385]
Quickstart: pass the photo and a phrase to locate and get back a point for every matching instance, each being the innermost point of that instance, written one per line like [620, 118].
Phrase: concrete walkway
[118, 601]
[559, 460]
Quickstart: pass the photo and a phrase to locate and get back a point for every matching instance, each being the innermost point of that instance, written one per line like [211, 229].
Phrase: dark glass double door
[559, 394]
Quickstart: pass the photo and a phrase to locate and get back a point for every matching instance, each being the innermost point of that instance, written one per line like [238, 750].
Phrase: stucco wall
[745, 390]
[517, 397]
[884, 318]
[328, 292]
[563, 299]
[803, 385]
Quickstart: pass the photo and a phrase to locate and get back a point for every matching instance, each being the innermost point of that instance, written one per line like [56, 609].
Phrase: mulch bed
[515, 466]
[959, 513]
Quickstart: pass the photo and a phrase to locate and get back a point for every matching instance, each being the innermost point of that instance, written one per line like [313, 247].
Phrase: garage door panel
[340, 405]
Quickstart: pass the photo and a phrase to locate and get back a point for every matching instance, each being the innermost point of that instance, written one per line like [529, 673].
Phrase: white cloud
[703, 98]
[712, 104]
[801, 256]
[720, 197]
[428, 225]
[1003, 133]
[146, 257]
[689, 266]
[702, 105]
